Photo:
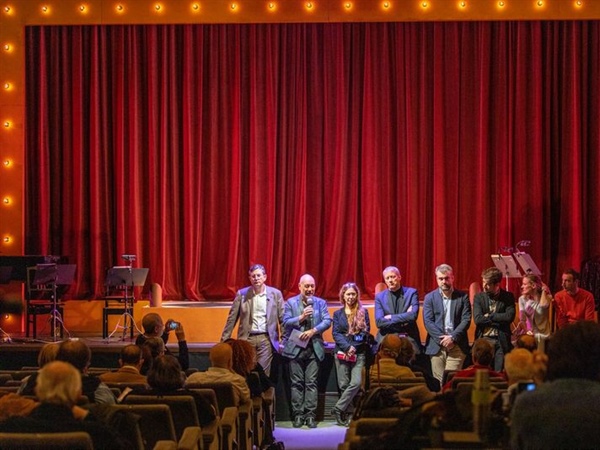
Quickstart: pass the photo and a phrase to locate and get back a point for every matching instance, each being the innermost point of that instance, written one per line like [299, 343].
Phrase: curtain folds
[332, 149]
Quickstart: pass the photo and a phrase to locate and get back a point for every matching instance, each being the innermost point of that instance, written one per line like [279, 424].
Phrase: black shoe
[339, 417]
[298, 421]
[310, 422]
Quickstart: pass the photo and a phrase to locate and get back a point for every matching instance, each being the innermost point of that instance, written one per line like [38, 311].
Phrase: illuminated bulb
[6, 47]
[540, 3]
[501, 4]
[347, 5]
[82, 8]
[45, 9]
[157, 7]
[386, 5]
[7, 239]
[309, 5]
[7, 9]
[579, 3]
[6, 200]
[233, 6]
[424, 4]
[463, 4]
[120, 8]
[7, 86]
[195, 6]
[6, 162]
[7, 124]
[271, 5]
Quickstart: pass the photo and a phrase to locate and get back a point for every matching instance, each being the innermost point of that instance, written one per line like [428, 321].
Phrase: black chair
[38, 299]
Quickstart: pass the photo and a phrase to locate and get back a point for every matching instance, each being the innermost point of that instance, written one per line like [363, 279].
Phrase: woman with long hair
[534, 308]
[351, 329]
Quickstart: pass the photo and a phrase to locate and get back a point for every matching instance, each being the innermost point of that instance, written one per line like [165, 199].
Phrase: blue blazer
[433, 318]
[321, 320]
[404, 322]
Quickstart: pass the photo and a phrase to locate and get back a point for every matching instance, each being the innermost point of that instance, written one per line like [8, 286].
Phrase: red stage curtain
[333, 149]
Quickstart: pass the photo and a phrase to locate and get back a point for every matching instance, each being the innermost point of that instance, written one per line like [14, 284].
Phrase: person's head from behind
[406, 353]
[519, 365]
[59, 383]
[153, 325]
[482, 352]
[490, 280]
[47, 353]
[131, 355]
[75, 352]
[390, 346]
[573, 352]
[221, 355]
[165, 374]
[526, 341]
[243, 356]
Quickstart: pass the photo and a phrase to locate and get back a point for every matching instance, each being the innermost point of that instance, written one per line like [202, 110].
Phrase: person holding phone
[153, 326]
[351, 329]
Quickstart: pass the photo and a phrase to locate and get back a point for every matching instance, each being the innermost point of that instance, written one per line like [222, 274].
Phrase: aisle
[326, 436]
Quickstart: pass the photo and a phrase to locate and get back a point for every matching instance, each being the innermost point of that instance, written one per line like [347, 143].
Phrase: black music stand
[54, 275]
[127, 278]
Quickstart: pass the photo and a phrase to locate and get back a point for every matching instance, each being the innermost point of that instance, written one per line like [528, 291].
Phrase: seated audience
[166, 378]
[482, 354]
[12, 405]
[78, 354]
[154, 327]
[130, 362]
[385, 369]
[520, 367]
[221, 370]
[563, 412]
[58, 386]
[47, 353]
[246, 365]
[152, 348]
[407, 358]
[526, 341]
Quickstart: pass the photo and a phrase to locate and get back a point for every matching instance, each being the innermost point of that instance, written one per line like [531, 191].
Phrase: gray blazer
[241, 310]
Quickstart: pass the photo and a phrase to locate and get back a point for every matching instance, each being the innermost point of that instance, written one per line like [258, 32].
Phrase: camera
[526, 386]
[172, 326]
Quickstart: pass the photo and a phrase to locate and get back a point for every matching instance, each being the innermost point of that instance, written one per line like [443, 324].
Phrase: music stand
[507, 265]
[126, 277]
[54, 275]
[526, 262]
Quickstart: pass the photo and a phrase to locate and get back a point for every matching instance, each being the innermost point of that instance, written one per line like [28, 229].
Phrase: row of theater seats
[172, 421]
[376, 422]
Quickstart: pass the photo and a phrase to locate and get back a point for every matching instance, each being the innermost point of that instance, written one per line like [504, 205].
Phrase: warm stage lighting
[6, 200]
[7, 124]
[7, 239]
[7, 163]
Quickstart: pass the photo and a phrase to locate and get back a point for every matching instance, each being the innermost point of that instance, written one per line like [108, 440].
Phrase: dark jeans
[304, 370]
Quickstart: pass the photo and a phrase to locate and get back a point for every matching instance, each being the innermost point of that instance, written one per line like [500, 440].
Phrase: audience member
[58, 387]
[493, 313]
[12, 405]
[573, 303]
[397, 309]
[534, 308]
[78, 354]
[305, 318]
[482, 355]
[47, 353]
[447, 318]
[245, 364]
[151, 348]
[130, 363]
[351, 327]
[520, 368]
[563, 412]
[221, 370]
[259, 310]
[166, 379]
[385, 368]
[154, 327]
[526, 341]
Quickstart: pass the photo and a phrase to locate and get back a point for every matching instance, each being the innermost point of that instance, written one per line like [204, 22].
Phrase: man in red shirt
[573, 303]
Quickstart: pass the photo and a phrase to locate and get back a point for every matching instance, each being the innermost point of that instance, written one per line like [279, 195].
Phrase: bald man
[221, 369]
[305, 318]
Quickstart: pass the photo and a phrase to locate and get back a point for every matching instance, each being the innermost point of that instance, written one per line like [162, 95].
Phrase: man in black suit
[493, 312]
[447, 317]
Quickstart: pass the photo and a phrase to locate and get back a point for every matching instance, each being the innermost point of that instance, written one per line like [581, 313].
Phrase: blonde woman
[534, 308]
[351, 328]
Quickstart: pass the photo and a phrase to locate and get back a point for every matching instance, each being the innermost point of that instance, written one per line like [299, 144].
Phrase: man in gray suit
[447, 317]
[259, 310]
[305, 318]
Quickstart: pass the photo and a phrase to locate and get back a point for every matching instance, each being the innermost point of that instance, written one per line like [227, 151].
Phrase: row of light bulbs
[272, 6]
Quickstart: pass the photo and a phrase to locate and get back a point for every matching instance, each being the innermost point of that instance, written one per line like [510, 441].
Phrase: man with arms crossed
[259, 310]
[447, 317]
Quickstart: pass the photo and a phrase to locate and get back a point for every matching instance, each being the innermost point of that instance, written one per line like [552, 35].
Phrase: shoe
[339, 417]
[310, 422]
[298, 421]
